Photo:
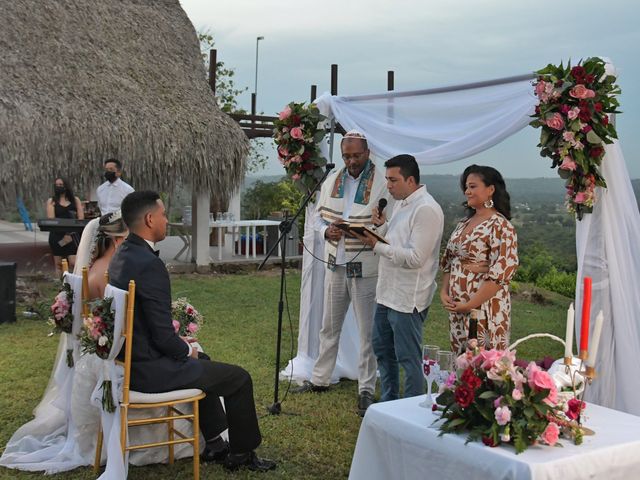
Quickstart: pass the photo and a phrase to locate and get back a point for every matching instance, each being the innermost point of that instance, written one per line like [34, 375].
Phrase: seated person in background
[162, 361]
[111, 233]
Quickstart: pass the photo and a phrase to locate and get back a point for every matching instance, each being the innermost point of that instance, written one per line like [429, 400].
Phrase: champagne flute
[430, 370]
[445, 361]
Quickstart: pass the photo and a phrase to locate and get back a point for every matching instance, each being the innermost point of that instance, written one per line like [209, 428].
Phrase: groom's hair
[136, 205]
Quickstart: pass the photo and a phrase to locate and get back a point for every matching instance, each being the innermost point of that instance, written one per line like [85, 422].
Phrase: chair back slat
[128, 329]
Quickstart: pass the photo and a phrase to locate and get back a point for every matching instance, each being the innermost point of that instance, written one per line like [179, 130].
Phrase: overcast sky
[427, 44]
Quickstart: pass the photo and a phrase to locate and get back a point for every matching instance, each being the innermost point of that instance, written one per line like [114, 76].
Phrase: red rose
[597, 106]
[584, 115]
[575, 408]
[306, 155]
[471, 379]
[605, 120]
[596, 152]
[463, 395]
[589, 78]
[295, 119]
[488, 441]
[307, 166]
[565, 109]
[586, 129]
[578, 73]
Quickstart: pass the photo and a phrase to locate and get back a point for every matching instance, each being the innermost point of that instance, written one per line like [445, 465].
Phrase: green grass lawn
[316, 436]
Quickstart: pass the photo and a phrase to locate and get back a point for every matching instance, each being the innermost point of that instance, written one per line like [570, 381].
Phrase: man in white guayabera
[407, 276]
[348, 195]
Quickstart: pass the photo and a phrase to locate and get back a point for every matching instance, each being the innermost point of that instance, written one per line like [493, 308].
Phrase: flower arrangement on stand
[297, 134]
[496, 401]
[186, 319]
[573, 112]
[62, 316]
[97, 337]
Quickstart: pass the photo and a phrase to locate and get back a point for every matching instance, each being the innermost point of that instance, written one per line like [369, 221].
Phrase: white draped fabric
[47, 443]
[311, 308]
[445, 125]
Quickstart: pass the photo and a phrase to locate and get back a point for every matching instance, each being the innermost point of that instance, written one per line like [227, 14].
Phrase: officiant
[349, 195]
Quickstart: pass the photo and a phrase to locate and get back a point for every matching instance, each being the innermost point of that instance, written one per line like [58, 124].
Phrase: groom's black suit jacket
[160, 360]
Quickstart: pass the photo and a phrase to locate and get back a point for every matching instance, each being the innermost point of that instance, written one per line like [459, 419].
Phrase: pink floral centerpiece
[496, 401]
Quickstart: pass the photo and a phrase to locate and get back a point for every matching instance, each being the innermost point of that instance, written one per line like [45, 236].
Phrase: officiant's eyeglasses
[349, 156]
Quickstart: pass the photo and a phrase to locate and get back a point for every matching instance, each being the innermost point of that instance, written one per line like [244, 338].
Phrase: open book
[360, 229]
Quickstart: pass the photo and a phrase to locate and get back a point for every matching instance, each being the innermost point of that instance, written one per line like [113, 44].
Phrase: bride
[62, 436]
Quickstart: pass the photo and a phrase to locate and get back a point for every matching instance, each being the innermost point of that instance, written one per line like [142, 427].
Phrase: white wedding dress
[63, 433]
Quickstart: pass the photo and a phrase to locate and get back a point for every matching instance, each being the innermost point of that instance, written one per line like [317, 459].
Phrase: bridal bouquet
[496, 401]
[297, 136]
[97, 337]
[186, 319]
[573, 112]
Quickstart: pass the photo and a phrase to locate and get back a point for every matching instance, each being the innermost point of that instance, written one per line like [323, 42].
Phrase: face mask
[110, 176]
[59, 190]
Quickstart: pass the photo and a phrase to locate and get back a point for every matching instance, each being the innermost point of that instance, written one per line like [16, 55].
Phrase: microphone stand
[285, 229]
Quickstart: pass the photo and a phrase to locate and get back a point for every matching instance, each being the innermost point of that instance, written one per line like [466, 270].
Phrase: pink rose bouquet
[61, 316]
[573, 113]
[297, 134]
[497, 401]
[186, 319]
[96, 337]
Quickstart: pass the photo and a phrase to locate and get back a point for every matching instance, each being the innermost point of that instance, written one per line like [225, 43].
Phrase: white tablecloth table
[397, 441]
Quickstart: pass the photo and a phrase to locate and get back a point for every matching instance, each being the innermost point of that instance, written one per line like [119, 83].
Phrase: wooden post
[213, 63]
[334, 79]
[314, 93]
[253, 106]
[390, 87]
[390, 81]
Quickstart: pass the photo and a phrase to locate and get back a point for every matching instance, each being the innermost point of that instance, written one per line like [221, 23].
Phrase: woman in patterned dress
[480, 259]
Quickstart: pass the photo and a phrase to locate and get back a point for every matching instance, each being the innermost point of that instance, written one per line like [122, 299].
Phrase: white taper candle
[568, 337]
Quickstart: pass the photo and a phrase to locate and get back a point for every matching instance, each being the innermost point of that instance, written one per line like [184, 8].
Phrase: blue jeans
[397, 341]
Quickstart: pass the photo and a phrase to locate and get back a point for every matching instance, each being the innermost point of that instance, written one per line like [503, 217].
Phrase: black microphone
[381, 204]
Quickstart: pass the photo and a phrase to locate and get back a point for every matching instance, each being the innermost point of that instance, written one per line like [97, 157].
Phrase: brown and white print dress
[492, 243]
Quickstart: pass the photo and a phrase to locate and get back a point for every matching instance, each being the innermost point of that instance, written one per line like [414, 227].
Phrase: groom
[163, 361]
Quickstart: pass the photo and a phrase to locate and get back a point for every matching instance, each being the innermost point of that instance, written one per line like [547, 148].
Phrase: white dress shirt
[110, 195]
[409, 263]
[349, 196]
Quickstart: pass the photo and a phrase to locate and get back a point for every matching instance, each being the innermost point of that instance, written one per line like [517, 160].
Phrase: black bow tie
[156, 253]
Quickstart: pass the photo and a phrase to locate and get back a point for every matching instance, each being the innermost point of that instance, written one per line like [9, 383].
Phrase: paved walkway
[31, 251]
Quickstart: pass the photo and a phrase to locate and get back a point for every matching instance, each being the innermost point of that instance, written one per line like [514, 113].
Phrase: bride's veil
[87, 246]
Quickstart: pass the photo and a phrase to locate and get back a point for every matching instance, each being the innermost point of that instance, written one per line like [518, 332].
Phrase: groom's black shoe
[249, 460]
[307, 386]
[215, 451]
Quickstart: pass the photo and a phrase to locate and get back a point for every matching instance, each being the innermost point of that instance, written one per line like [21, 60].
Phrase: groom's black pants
[234, 384]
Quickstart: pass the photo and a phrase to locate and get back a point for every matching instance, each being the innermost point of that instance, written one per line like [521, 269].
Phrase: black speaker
[7, 292]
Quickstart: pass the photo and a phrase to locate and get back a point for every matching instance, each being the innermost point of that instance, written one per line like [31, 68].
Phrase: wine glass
[445, 361]
[430, 369]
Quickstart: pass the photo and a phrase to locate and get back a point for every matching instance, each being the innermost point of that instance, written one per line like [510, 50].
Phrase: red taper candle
[586, 314]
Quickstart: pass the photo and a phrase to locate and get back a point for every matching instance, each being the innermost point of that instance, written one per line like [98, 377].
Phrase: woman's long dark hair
[490, 176]
[68, 192]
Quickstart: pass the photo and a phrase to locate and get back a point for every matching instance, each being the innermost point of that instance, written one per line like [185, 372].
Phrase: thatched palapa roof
[81, 81]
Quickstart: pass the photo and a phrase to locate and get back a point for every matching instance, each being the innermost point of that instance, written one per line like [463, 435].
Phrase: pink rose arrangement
[96, 337]
[297, 134]
[573, 113]
[496, 401]
[186, 319]
[61, 316]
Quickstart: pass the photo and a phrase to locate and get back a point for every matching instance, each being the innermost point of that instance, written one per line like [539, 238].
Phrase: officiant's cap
[355, 134]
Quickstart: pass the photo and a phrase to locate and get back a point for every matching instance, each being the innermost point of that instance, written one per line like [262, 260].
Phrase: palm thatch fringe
[82, 81]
